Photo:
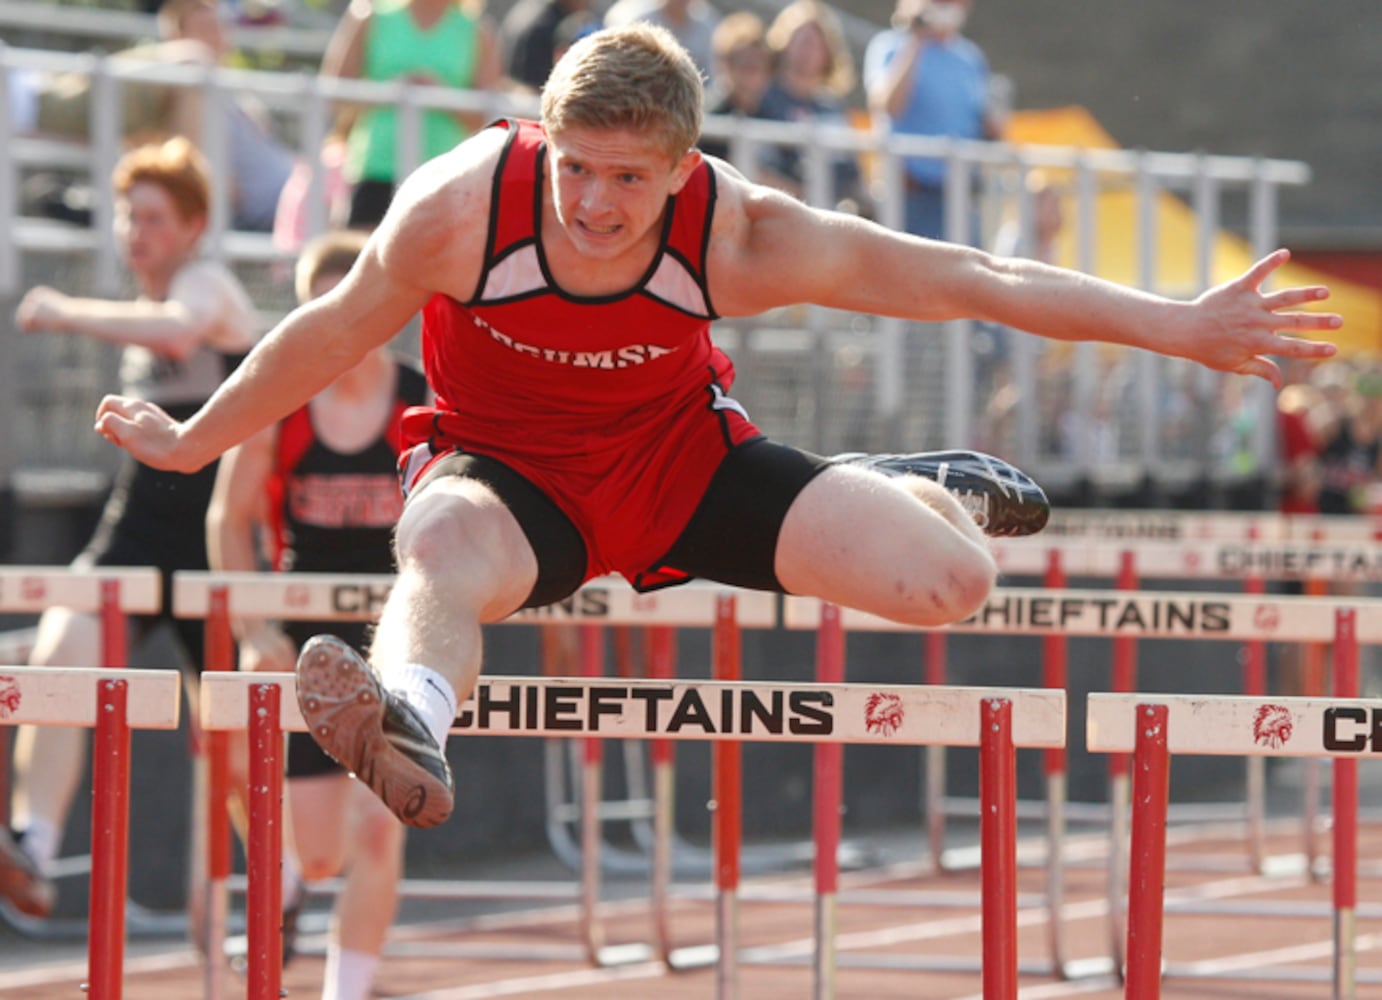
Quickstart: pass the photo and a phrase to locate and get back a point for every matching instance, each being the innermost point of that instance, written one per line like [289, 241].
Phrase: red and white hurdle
[1152, 727]
[112, 702]
[726, 712]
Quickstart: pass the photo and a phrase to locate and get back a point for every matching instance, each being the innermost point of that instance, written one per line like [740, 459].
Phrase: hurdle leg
[264, 853]
[592, 777]
[1124, 680]
[661, 643]
[1147, 863]
[829, 761]
[110, 819]
[998, 836]
[215, 750]
[934, 757]
[728, 820]
[1255, 684]
[1056, 677]
[1345, 819]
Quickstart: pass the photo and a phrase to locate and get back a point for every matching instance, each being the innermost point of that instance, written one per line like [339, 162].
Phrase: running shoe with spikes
[21, 883]
[1002, 499]
[373, 733]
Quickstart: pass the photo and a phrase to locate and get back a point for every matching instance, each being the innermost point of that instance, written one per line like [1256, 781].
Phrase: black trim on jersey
[492, 223]
[702, 273]
[637, 288]
[718, 411]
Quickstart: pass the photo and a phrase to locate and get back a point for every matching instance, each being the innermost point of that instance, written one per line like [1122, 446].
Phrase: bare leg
[462, 560]
[49, 759]
[906, 552]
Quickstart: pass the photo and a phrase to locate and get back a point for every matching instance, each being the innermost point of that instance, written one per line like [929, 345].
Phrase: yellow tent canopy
[1116, 251]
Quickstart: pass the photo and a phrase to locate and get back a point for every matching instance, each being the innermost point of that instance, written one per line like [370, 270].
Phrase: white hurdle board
[709, 710]
[1138, 614]
[37, 588]
[66, 696]
[360, 597]
[1240, 726]
[1240, 526]
[1338, 562]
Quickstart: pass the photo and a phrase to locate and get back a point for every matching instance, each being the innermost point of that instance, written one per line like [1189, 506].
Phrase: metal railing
[811, 376]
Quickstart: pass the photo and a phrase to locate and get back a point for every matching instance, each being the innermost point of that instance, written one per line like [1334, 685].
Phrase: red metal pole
[828, 802]
[998, 839]
[1345, 812]
[1254, 650]
[662, 664]
[593, 665]
[110, 821]
[1055, 661]
[1147, 863]
[1124, 658]
[113, 637]
[264, 853]
[727, 756]
[220, 655]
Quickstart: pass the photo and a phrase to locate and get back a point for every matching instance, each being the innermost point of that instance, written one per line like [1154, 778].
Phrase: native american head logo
[9, 697]
[33, 588]
[1272, 726]
[883, 714]
[1265, 616]
[297, 595]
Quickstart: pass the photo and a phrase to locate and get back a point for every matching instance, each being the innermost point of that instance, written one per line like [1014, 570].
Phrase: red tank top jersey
[614, 406]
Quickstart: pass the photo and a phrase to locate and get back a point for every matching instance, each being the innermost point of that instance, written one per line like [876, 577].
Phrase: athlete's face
[156, 237]
[610, 187]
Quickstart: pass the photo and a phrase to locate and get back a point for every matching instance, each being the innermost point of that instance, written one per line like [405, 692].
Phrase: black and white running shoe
[1002, 499]
[372, 732]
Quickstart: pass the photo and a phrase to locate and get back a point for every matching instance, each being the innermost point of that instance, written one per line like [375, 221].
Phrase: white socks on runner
[349, 974]
[428, 692]
[41, 841]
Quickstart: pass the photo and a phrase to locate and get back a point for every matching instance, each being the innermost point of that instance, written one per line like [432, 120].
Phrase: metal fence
[810, 376]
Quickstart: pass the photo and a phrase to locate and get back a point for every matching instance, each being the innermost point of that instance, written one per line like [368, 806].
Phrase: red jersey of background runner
[615, 405]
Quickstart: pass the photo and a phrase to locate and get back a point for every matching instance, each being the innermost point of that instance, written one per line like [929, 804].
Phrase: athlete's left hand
[1237, 326]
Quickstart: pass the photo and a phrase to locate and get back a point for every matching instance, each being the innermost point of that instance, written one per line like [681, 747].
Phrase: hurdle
[112, 593]
[112, 702]
[327, 597]
[1152, 727]
[1128, 525]
[1143, 615]
[726, 712]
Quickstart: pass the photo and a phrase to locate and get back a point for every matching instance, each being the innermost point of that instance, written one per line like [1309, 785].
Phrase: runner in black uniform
[321, 487]
[181, 337]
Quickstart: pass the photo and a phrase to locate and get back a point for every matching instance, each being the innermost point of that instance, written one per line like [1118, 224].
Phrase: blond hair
[636, 77]
[175, 166]
[333, 252]
[839, 74]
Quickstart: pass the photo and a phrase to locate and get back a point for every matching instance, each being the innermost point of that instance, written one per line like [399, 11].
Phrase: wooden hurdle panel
[112, 702]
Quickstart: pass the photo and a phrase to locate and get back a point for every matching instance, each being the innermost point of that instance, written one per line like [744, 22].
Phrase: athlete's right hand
[145, 431]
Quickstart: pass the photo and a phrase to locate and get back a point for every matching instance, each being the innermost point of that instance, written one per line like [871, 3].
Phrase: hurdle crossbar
[1190, 526]
[112, 702]
[35, 589]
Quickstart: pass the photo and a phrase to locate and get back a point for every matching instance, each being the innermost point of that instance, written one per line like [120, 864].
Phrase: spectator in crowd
[1349, 428]
[180, 337]
[529, 35]
[743, 71]
[1298, 447]
[286, 485]
[691, 22]
[432, 42]
[927, 78]
[191, 34]
[812, 73]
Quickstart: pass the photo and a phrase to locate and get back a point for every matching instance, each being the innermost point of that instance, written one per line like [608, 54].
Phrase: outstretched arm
[772, 252]
[302, 355]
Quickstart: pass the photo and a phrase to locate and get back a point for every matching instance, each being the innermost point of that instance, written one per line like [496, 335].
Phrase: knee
[378, 841]
[319, 861]
[949, 592]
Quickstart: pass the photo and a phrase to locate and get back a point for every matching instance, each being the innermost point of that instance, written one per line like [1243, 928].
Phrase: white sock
[292, 877]
[428, 692]
[349, 974]
[41, 841]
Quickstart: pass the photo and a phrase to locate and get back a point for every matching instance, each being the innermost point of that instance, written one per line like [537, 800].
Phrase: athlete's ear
[681, 173]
